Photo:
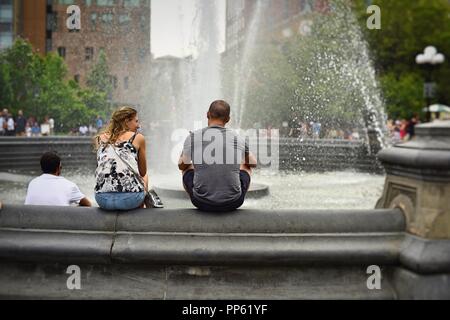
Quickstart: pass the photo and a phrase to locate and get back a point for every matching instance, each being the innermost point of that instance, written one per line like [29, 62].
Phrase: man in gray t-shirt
[216, 163]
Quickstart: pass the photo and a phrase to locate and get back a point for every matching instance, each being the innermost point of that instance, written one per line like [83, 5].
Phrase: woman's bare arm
[142, 157]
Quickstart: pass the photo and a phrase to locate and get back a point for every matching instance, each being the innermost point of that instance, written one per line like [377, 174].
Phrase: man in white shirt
[11, 126]
[50, 189]
[2, 125]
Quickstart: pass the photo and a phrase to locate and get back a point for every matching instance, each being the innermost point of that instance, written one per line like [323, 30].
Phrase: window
[62, 52]
[126, 83]
[131, 3]
[107, 19]
[144, 24]
[124, 21]
[113, 81]
[52, 21]
[142, 55]
[48, 45]
[286, 10]
[6, 39]
[106, 2]
[89, 53]
[67, 1]
[88, 2]
[93, 21]
[126, 54]
[6, 13]
[6, 28]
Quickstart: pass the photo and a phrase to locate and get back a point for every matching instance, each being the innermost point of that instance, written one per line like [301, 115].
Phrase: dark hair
[50, 162]
[219, 109]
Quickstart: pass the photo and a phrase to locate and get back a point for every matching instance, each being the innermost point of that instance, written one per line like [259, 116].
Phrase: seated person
[216, 164]
[50, 189]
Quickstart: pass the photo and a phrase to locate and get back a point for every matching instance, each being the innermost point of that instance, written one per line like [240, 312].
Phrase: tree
[403, 94]
[98, 94]
[271, 87]
[99, 78]
[407, 28]
[38, 86]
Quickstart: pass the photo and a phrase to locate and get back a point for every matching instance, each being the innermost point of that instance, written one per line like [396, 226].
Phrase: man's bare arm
[250, 160]
[85, 203]
[184, 163]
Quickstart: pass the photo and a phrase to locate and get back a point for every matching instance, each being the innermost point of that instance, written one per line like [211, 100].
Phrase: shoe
[152, 200]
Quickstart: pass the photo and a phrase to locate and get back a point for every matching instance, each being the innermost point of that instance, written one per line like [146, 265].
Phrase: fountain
[334, 70]
[186, 87]
[271, 249]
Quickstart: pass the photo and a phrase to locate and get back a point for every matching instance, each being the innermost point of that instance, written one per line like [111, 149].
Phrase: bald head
[219, 110]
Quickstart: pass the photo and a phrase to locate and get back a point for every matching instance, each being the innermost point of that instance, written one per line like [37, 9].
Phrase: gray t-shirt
[217, 154]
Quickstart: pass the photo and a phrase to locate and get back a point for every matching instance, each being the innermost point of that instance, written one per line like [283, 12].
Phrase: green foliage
[272, 86]
[38, 86]
[99, 78]
[407, 28]
[403, 94]
[308, 78]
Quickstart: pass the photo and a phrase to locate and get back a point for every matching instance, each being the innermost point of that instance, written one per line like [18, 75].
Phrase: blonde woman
[121, 174]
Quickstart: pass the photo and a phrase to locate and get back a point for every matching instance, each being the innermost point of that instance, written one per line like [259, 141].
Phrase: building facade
[279, 20]
[7, 23]
[119, 28]
[26, 19]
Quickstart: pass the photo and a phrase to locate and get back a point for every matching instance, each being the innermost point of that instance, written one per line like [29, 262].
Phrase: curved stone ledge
[256, 250]
[185, 236]
[426, 158]
[45, 246]
[36, 233]
[425, 256]
[191, 220]
[57, 218]
[431, 159]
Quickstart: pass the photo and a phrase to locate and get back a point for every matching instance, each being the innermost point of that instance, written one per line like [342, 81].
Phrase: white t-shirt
[45, 128]
[51, 190]
[84, 129]
[11, 124]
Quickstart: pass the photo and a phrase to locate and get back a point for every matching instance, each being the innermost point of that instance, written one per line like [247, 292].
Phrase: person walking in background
[99, 123]
[83, 130]
[403, 127]
[51, 122]
[35, 130]
[396, 137]
[2, 124]
[45, 127]
[21, 124]
[10, 126]
[412, 126]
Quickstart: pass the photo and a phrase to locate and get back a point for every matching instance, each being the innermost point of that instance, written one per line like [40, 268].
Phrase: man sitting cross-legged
[50, 189]
[216, 164]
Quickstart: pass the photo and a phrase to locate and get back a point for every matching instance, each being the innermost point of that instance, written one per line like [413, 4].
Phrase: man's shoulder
[67, 182]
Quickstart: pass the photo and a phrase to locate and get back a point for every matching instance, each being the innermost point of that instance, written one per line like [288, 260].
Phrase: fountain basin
[256, 191]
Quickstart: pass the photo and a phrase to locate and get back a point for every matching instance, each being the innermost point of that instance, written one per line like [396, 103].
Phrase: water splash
[242, 75]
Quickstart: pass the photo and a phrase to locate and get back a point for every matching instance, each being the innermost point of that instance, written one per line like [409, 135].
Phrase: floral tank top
[117, 168]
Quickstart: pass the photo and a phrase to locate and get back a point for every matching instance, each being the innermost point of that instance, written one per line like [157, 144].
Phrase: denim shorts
[188, 182]
[120, 200]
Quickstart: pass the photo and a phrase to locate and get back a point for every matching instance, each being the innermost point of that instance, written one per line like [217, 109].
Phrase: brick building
[280, 19]
[120, 28]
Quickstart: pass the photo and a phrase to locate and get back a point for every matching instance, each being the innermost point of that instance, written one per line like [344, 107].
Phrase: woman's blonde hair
[117, 124]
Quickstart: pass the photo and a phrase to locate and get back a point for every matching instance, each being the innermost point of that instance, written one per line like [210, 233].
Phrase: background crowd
[21, 126]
